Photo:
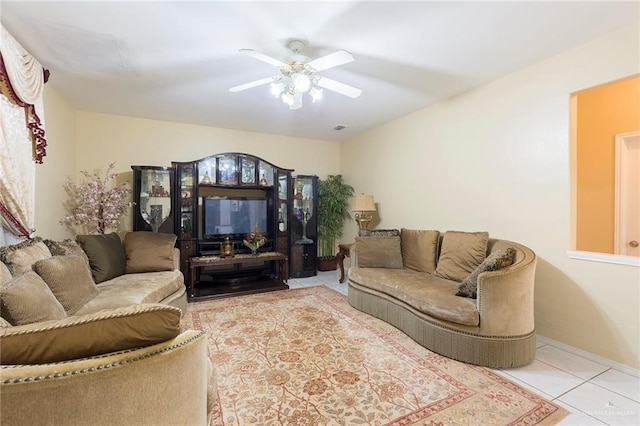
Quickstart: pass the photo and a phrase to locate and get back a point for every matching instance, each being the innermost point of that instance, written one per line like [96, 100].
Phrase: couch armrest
[505, 297]
[163, 384]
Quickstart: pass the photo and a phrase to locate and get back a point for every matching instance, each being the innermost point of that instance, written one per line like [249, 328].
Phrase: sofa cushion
[106, 255]
[27, 299]
[461, 253]
[132, 289]
[20, 257]
[69, 278]
[379, 252]
[497, 260]
[422, 291]
[89, 335]
[419, 249]
[149, 251]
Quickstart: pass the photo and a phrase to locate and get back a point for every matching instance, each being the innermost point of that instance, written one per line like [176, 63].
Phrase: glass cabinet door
[187, 200]
[303, 226]
[152, 198]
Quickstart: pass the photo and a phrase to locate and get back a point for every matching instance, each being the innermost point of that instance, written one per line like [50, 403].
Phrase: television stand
[213, 290]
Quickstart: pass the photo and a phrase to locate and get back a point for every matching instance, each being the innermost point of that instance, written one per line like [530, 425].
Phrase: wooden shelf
[214, 291]
[221, 289]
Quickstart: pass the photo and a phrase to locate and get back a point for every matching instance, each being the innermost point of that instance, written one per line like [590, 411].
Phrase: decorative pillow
[149, 251]
[379, 252]
[27, 299]
[20, 257]
[65, 247]
[4, 323]
[496, 260]
[106, 255]
[69, 279]
[102, 332]
[5, 274]
[419, 249]
[379, 233]
[461, 253]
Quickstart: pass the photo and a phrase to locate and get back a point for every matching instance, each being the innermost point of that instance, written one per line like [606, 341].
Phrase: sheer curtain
[22, 137]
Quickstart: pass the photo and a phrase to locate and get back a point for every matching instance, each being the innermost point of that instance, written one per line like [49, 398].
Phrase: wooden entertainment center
[221, 198]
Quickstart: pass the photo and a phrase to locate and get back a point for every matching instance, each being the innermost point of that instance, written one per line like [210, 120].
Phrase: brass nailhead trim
[105, 366]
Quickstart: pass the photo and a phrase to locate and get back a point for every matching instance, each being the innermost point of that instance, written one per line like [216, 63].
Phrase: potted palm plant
[333, 210]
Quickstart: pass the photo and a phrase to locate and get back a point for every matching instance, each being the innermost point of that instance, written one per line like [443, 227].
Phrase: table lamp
[363, 204]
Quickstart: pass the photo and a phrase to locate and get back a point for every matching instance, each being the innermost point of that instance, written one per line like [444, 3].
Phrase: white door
[627, 238]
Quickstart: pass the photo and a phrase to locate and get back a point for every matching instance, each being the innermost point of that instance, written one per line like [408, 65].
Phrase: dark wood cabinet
[224, 197]
[152, 195]
[304, 229]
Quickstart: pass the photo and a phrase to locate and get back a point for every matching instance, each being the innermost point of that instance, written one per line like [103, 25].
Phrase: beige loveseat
[81, 346]
[463, 295]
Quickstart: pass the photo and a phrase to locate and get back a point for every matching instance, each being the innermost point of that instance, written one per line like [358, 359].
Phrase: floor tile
[619, 382]
[609, 407]
[546, 378]
[574, 364]
[576, 417]
[524, 385]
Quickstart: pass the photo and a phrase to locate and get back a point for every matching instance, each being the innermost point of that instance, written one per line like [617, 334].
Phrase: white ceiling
[175, 61]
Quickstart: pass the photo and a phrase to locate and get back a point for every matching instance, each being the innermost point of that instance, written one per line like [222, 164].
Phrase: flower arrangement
[254, 240]
[94, 204]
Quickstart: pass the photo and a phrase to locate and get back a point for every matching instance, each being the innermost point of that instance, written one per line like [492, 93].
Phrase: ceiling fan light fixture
[301, 82]
[299, 76]
[277, 87]
[297, 101]
[315, 93]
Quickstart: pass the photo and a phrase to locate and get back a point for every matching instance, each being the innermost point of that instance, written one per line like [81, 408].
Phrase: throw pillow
[27, 299]
[65, 247]
[496, 260]
[379, 252]
[461, 253]
[4, 323]
[20, 257]
[69, 279]
[149, 251]
[102, 332]
[419, 249]
[106, 255]
[5, 274]
[379, 233]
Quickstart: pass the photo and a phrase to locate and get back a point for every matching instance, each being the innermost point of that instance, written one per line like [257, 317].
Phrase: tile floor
[594, 394]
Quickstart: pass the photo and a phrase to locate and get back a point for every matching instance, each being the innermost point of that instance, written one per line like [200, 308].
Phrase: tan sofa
[411, 280]
[120, 357]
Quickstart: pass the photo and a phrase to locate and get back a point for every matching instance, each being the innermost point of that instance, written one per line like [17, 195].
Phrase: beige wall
[58, 164]
[497, 159]
[79, 140]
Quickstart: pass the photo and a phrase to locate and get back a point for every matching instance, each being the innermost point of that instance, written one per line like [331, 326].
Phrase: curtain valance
[23, 78]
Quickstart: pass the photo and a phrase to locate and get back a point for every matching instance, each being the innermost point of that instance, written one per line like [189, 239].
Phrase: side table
[344, 250]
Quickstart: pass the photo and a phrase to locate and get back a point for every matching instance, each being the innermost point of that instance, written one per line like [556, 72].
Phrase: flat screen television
[233, 216]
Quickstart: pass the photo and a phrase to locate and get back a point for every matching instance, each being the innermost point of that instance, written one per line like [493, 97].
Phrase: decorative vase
[253, 246]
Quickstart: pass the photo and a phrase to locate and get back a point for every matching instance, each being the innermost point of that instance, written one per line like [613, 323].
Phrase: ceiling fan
[299, 75]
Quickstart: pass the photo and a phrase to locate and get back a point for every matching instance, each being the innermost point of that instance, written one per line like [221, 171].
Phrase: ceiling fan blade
[336, 86]
[262, 57]
[252, 84]
[331, 60]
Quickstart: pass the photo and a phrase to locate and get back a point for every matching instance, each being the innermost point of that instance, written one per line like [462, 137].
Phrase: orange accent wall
[602, 112]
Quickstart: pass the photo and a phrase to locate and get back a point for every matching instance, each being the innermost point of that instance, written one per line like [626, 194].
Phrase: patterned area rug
[306, 357]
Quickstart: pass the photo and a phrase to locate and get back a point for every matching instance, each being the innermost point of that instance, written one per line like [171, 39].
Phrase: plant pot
[327, 263]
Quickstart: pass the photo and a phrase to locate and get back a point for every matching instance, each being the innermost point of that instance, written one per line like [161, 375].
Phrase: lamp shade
[363, 203]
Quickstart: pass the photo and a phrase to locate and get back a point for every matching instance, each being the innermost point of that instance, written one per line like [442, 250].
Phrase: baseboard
[588, 355]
